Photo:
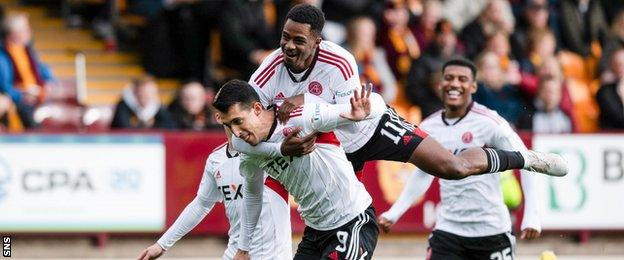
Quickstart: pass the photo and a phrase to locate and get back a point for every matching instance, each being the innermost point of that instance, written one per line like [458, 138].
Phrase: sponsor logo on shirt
[344, 94]
[315, 88]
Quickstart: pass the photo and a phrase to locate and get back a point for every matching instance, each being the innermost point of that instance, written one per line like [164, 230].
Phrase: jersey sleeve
[505, 138]
[323, 117]
[252, 204]
[207, 195]
[262, 149]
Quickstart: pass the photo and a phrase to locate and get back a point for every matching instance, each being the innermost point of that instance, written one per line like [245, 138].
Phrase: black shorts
[355, 240]
[448, 246]
[395, 139]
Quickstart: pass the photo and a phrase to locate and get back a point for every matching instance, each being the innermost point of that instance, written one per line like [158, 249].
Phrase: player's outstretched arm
[152, 252]
[293, 145]
[417, 184]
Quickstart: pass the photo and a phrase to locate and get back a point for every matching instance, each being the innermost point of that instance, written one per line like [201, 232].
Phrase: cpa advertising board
[71, 183]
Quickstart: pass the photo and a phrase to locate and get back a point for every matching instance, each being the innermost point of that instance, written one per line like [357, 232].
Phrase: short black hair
[308, 14]
[232, 92]
[462, 63]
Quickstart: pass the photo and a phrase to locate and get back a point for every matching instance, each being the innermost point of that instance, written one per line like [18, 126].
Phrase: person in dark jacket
[140, 107]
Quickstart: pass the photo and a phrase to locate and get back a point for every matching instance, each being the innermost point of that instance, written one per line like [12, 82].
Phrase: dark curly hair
[308, 14]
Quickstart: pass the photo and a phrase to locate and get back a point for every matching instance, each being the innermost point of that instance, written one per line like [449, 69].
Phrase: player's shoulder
[435, 118]
[339, 60]
[217, 156]
[267, 68]
[485, 114]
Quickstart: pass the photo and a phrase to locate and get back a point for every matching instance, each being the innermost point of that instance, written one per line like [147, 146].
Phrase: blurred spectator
[610, 97]
[535, 18]
[248, 34]
[22, 76]
[541, 45]
[371, 60]
[462, 12]
[9, 120]
[339, 12]
[424, 30]
[498, 43]
[398, 40]
[425, 72]
[190, 108]
[494, 91]
[176, 42]
[497, 16]
[546, 116]
[2, 19]
[583, 26]
[616, 41]
[140, 107]
[612, 8]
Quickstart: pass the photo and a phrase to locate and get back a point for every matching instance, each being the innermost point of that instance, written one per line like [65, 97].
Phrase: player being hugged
[335, 206]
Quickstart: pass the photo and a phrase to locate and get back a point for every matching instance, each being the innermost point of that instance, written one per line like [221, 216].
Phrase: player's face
[243, 122]
[457, 86]
[298, 44]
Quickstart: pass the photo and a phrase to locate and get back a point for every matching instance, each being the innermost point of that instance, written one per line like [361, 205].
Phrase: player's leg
[308, 248]
[445, 246]
[354, 240]
[495, 247]
[434, 159]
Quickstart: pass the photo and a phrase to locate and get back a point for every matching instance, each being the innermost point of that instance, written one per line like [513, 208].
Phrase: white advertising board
[591, 196]
[71, 183]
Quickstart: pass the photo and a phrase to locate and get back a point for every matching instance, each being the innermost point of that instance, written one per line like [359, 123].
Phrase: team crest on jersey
[315, 88]
[467, 137]
[280, 96]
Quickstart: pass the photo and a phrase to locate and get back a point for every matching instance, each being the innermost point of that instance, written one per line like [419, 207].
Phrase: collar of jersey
[460, 119]
[274, 108]
[227, 152]
[307, 73]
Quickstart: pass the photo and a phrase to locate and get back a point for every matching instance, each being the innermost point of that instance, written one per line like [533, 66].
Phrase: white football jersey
[323, 182]
[333, 77]
[222, 182]
[474, 206]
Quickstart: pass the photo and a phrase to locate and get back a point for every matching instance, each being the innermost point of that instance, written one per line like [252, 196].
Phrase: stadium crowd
[547, 66]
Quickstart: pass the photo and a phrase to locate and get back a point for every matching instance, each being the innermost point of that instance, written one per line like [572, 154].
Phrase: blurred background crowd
[547, 66]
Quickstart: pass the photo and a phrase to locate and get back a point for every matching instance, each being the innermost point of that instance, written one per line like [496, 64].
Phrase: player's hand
[385, 224]
[298, 146]
[529, 233]
[283, 113]
[360, 104]
[241, 255]
[152, 252]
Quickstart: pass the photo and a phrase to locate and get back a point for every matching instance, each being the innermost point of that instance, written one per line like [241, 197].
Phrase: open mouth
[453, 94]
[290, 55]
